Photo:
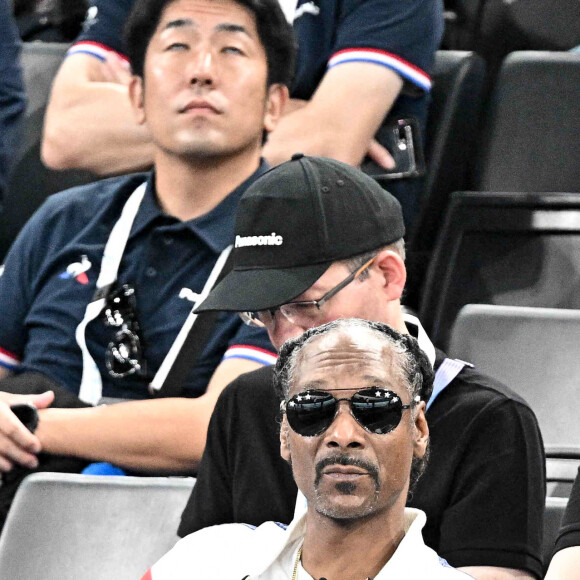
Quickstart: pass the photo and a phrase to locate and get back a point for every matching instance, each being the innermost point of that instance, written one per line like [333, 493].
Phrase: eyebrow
[224, 27]
[318, 384]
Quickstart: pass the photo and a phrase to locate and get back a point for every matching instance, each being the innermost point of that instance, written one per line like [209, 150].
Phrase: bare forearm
[159, 434]
[341, 118]
[96, 130]
[496, 573]
[565, 565]
[163, 434]
[89, 121]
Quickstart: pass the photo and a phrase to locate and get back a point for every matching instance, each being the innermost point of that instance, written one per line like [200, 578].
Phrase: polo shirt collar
[417, 331]
[213, 228]
[414, 521]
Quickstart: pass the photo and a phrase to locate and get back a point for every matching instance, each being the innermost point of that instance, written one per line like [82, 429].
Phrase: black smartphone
[27, 414]
[402, 138]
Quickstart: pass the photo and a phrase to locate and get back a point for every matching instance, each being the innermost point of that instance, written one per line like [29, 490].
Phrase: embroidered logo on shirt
[188, 294]
[308, 8]
[78, 271]
[91, 18]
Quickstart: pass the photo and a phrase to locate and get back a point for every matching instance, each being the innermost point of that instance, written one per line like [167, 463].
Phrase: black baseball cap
[295, 221]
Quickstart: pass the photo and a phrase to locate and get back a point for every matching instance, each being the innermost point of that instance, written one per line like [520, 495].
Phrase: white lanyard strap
[157, 382]
[91, 387]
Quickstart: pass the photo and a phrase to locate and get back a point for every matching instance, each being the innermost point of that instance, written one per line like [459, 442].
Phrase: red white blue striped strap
[254, 353]
[8, 360]
[407, 70]
[95, 49]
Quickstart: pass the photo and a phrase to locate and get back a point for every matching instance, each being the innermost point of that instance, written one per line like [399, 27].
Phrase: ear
[276, 101]
[392, 268]
[420, 431]
[137, 98]
[284, 444]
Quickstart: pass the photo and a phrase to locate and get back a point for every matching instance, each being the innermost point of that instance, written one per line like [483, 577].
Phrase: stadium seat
[532, 136]
[451, 135]
[70, 526]
[31, 182]
[450, 139]
[534, 351]
[520, 249]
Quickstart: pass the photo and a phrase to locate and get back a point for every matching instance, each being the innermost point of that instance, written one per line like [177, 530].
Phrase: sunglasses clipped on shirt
[377, 410]
[124, 355]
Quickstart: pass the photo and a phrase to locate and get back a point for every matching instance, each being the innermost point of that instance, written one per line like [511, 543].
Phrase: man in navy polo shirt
[210, 79]
[358, 60]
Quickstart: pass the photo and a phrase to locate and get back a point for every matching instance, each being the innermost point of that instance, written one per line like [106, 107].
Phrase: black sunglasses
[378, 410]
[124, 355]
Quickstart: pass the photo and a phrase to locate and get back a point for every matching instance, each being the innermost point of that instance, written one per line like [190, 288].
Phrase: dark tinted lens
[377, 410]
[120, 306]
[311, 413]
[123, 355]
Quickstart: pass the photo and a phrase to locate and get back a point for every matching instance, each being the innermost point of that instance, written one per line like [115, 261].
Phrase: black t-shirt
[483, 491]
[570, 530]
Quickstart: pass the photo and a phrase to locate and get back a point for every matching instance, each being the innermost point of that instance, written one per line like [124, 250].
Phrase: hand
[116, 70]
[380, 155]
[17, 444]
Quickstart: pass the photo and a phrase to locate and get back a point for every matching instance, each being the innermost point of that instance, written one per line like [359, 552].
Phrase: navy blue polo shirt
[51, 271]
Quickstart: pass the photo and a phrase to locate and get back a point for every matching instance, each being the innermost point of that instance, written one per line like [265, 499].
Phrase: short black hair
[276, 35]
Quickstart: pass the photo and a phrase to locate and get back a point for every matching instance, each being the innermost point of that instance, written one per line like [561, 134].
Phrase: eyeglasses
[305, 310]
[124, 355]
[378, 410]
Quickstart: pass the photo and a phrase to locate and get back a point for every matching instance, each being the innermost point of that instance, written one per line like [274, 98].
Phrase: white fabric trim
[251, 353]
[422, 338]
[392, 61]
[91, 388]
[168, 361]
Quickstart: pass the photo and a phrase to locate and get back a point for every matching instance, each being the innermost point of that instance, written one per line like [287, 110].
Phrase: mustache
[372, 469]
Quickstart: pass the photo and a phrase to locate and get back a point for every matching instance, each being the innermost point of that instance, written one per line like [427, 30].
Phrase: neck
[187, 190]
[394, 317]
[333, 550]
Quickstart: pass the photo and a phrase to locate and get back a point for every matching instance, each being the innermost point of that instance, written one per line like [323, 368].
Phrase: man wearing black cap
[316, 241]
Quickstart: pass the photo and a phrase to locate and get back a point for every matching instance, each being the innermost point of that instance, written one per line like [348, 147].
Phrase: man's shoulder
[92, 196]
[473, 389]
[246, 546]
[249, 388]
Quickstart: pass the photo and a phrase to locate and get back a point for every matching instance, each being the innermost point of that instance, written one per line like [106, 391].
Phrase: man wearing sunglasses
[316, 241]
[97, 293]
[353, 396]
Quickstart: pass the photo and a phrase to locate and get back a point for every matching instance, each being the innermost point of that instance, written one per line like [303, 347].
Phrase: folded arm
[341, 118]
[89, 123]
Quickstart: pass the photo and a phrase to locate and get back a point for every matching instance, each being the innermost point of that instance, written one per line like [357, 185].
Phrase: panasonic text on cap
[271, 240]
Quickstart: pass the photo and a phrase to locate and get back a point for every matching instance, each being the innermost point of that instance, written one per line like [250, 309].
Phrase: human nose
[280, 329]
[202, 69]
[344, 431]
